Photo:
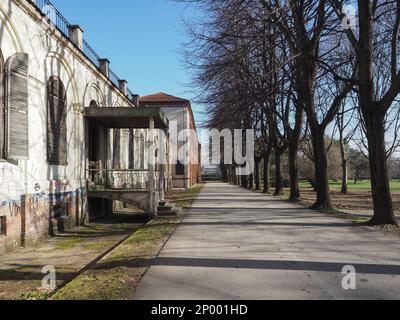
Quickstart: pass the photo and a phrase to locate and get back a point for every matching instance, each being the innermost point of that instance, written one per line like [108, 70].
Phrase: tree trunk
[251, 182]
[383, 204]
[257, 176]
[278, 175]
[293, 172]
[267, 158]
[345, 177]
[321, 172]
[245, 182]
[344, 166]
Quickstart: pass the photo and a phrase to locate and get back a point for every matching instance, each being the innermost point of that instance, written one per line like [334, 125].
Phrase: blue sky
[141, 38]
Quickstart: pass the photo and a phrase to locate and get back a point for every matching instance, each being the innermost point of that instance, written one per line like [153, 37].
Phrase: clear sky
[141, 38]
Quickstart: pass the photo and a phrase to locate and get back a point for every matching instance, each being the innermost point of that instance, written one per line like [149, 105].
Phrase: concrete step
[166, 208]
[176, 212]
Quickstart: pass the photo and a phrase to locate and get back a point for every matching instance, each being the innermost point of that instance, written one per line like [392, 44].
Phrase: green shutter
[17, 141]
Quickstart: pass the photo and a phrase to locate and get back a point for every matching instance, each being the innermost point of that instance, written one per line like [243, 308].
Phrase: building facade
[180, 114]
[72, 138]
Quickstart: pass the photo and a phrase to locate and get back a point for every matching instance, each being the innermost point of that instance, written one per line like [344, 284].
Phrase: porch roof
[127, 117]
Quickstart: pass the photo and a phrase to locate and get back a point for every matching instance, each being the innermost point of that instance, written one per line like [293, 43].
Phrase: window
[56, 122]
[93, 104]
[179, 169]
[15, 136]
[3, 226]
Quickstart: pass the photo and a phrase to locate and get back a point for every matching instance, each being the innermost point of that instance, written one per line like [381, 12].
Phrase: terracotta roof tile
[162, 97]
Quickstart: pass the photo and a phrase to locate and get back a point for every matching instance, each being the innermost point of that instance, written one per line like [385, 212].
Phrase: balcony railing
[100, 180]
[57, 19]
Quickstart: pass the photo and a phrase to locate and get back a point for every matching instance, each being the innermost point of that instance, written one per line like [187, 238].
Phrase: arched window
[93, 104]
[56, 123]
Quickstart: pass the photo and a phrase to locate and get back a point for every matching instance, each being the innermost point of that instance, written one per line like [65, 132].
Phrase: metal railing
[57, 19]
[53, 15]
[112, 179]
[114, 78]
[90, 53]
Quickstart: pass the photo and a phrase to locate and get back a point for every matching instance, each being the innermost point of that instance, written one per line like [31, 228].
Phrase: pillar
[75, 34]
[152, 204]
[104, 65]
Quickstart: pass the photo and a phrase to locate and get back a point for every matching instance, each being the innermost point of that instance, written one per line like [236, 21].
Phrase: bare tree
[375, 41]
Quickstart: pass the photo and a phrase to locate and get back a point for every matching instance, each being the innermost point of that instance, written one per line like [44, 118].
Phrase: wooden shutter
[63, 151]
[57, 152]
[17, 141]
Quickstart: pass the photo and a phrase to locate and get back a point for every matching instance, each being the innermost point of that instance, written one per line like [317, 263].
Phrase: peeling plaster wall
[30, 188]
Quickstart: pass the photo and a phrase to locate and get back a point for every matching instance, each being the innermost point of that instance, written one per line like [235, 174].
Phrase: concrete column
[104, 65]
[152, 204]
[75, 34]
[162, 152]
[123, 86]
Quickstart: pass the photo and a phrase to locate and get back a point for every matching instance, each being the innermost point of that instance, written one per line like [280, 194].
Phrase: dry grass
[184, 198]
[116, 276]
[356, 200]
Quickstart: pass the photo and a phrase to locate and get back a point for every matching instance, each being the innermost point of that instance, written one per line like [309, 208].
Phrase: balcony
[121, 180]
[127, 118]
[129, 186]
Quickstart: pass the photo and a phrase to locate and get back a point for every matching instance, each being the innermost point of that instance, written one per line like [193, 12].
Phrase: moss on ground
[185, 199]
[69, 243]
[117, 275]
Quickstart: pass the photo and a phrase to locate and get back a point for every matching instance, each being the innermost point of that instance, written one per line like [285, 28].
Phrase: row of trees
[301, 72]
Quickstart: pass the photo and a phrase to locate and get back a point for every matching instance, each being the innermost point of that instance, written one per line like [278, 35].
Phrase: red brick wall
[29, 220]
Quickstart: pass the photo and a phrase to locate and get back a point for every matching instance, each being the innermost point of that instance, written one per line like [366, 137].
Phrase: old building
[72, 137]
[179, 112]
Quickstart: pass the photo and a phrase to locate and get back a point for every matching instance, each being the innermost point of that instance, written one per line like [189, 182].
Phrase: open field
[355, 200]
[358, 199]
[362, 185]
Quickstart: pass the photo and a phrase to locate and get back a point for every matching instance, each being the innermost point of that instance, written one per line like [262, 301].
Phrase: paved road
[235, 244]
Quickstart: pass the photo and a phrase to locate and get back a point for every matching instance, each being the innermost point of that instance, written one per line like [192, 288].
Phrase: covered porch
[143, 187]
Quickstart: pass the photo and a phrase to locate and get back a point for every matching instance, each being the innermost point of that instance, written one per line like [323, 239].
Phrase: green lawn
[364, 185]
[184, 199]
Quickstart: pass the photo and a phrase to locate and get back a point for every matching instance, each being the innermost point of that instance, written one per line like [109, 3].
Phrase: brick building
[179, 111]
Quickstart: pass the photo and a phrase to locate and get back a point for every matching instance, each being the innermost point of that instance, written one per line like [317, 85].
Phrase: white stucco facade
[29, 187]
